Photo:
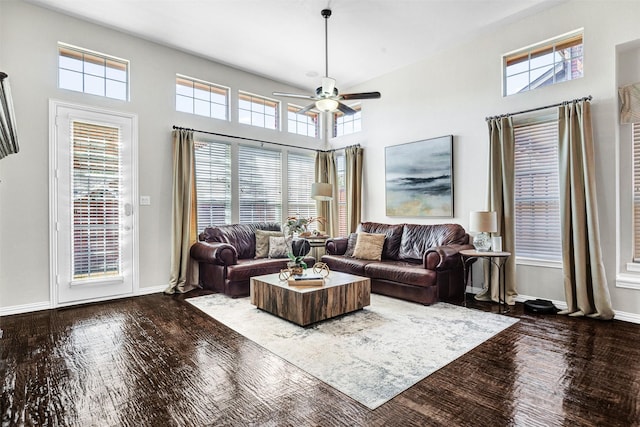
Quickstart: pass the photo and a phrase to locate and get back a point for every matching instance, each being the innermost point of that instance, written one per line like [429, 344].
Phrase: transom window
[344, 124]
[255, 110]
[202, 98]
[537, 191]
[302, 124]
[545, 63]
[91, 72]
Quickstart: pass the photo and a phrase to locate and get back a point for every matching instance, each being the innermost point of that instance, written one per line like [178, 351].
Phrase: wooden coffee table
[304, 305]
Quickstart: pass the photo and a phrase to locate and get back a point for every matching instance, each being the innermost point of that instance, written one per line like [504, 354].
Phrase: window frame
[211, 88]
[533, 57]
[257, 103]
[339, 120]
[312, 116]
[81, 55]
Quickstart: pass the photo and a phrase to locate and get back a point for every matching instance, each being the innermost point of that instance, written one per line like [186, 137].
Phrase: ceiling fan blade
[306, 109]
[293, 95]
[328, 84]
[362, 95]
[345, 109]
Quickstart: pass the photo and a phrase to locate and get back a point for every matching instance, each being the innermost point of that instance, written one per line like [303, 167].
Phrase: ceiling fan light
[326, 105]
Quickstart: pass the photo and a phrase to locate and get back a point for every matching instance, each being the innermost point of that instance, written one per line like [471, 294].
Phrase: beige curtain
[326, 172]
[184, 232]
[630, 103]
[501, 199]
[585, 283]
[353, 157]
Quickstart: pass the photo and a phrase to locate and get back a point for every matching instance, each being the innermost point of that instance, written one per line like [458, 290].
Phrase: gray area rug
[370, 355]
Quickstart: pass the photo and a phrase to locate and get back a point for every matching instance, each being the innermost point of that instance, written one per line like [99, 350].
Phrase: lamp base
[482, 242]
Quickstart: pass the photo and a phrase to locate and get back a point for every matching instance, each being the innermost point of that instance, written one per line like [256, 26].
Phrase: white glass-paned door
[94, 206]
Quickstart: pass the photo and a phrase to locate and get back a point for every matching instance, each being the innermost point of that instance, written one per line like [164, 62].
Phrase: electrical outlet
[145, 200]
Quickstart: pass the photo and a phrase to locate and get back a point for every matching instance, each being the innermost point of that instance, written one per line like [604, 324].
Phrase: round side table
[496, 258]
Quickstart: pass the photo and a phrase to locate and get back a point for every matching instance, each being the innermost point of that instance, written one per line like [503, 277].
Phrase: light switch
[145, 200]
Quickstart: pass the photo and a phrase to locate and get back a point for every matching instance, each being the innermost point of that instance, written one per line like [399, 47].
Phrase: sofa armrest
[443, 257]
[336, 245]
[214, 253]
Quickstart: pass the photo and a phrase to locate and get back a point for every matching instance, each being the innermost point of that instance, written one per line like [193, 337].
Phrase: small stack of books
[306, 280]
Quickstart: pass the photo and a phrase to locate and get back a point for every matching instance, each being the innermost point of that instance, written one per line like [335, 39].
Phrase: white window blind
[636, 192]
[213, 183]
[537, 193]
[96, 186]
[260, 184]
[300, 176]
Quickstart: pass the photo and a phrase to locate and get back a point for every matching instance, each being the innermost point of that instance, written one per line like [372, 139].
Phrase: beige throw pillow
[278, 247]
[262, 242]
[369, 246]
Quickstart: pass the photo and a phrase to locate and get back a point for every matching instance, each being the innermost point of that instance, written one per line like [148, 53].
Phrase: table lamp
[483, 222]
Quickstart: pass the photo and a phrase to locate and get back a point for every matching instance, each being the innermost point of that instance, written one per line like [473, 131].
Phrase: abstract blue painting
[419, 178]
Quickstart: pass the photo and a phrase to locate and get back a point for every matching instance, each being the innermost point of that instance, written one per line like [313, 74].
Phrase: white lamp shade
[321, 191]
[326, 104]
[483, 221]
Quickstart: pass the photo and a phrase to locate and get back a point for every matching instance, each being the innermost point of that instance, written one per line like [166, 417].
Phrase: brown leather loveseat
[227, 259]
[419, 263]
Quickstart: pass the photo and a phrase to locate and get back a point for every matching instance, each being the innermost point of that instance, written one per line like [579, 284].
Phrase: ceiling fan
[327, 98]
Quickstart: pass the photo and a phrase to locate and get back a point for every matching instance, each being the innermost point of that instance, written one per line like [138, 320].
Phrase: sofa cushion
[278, 247]
[393, 233]
[351, 244]
[345, 264]
[262, 242]
[417, 238]
[402, 272]
[369, 246]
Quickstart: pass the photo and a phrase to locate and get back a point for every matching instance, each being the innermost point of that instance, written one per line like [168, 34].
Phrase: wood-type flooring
[157, 361]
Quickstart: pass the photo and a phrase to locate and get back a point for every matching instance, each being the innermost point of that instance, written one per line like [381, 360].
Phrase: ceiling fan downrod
[326, 13]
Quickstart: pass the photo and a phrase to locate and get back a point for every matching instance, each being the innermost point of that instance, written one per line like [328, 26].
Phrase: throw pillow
[262, 242]
[351, 244]
[369, 246]
[278, 247]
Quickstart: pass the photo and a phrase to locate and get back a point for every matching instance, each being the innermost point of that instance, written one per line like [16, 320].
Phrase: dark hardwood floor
[157, 361]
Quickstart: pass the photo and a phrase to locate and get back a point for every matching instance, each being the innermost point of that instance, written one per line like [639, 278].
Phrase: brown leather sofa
[420, 263]
[226, 257]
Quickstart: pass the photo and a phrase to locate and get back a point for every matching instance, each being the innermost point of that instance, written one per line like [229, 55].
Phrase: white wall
[28, 54]
[453, 92]
[450, 93]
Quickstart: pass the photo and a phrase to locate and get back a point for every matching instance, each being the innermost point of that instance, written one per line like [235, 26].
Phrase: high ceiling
[284, 39]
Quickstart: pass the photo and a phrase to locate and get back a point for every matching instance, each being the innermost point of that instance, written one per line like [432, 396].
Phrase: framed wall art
[419, 178]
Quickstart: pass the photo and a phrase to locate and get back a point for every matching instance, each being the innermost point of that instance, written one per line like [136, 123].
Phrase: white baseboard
[46, 305]
[25, 308]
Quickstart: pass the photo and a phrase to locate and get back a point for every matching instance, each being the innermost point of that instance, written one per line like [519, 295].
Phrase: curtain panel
[184, 231]
[585, 282]
[354, 158]
[501, 199]
[326, 171]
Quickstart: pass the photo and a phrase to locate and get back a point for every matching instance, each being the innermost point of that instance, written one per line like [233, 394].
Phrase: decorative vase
[295, 268]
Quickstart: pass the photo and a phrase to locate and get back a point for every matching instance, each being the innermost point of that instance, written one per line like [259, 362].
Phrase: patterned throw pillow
[369, 246]
[351, 244]
[262, 242]
[278, 247]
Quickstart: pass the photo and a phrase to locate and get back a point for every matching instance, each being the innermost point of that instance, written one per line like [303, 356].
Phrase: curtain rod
[253, 139]
[585, 98]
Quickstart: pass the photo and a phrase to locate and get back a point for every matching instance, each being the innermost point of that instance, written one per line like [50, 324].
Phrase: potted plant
[299, 226]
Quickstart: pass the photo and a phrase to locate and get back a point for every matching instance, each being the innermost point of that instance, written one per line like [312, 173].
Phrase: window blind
[636, 192]
[300, 176]
[260, 184]
[537, 193]
[213, 183]
[96, 187]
